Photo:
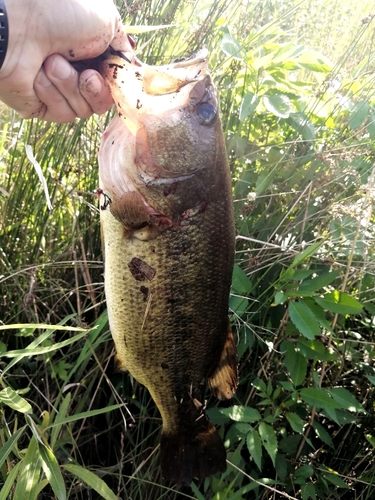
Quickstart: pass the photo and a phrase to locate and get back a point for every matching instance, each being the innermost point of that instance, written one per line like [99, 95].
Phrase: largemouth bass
[168, 229]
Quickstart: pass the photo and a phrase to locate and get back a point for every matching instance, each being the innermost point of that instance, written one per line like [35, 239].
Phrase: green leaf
[21, 353]
[33, 350]
[9, 483]
[260, 385]
[264, 180]
[241, 413]
[304, 319]
[85, 414]
[288, 386]
[370, 439]
[278, 104]
[319, 282]
[216, 416]
[136, 30]
[301, 123]
[197, 493]
[322, 433]
[314, 349]
[304, 472]
[339, 302]
[38, 488]
[296, 422]
[9, 397]
[231, 47]
[336, 480]
[308, 491]
[61, 414]
[238, 304]
[280, 298]
[359, 114]
[319, 398]
[29, 473]
[94, 338]
[33, 326]
[299, 274]
[91, 480]
[254, 446]
[269, 440]
[240, 281]
[305, 254]
[249, 104]
[295, 363]
[341, 417]
[319, 313]
[346, 399]
[52, 472]
[7, 447]
[314, 61]
[371, 126]
[281, 466]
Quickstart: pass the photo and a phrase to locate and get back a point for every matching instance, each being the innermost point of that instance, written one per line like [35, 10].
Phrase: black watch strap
[4, 32]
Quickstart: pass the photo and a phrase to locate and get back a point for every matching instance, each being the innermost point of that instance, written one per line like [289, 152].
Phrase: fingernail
[42, 79]
[61, 69]
[92, 85]
[132, 41]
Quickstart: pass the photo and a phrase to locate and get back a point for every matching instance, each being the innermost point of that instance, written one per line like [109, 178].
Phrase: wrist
[19, 23]
[4, 32]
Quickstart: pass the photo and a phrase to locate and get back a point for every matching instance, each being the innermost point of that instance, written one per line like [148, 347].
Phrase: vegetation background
[296, 80]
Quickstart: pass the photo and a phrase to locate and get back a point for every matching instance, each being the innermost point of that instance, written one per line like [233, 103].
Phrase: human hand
[36, 78]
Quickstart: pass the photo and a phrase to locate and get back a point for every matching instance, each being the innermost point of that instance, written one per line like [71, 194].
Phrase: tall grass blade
[91, 480]
[29, 473]
[8, 446]
[52, 471]
[9, 482]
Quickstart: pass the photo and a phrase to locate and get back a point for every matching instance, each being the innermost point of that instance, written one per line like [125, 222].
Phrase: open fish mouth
[158, 80]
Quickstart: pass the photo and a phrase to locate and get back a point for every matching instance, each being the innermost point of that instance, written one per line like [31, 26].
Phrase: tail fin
[194, 454]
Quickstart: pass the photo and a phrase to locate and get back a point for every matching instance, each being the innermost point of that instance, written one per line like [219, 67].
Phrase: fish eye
[206, 113]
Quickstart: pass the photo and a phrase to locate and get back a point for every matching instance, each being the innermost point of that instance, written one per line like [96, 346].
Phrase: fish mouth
[156, 80]
[183, 62]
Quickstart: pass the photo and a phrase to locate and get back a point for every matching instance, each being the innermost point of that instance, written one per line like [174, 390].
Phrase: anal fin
[119, 365]
[224, 379]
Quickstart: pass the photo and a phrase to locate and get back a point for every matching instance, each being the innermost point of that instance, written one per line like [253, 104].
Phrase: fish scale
[169, 255]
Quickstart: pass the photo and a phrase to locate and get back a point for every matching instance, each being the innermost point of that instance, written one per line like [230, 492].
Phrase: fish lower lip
[127, 56]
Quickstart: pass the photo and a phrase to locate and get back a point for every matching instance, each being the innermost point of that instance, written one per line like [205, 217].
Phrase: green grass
[298, 111]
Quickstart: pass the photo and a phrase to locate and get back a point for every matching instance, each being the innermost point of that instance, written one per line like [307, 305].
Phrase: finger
[65, 79]
[95, 91]
[56, 107]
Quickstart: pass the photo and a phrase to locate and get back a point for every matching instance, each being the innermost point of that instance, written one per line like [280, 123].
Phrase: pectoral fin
[224, 379]
[130, 210]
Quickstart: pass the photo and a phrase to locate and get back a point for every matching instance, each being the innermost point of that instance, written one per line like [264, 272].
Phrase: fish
[168, 234]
